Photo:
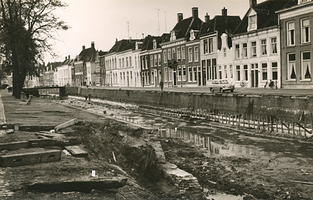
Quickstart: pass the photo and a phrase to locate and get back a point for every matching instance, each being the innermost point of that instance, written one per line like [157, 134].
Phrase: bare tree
[26, 27]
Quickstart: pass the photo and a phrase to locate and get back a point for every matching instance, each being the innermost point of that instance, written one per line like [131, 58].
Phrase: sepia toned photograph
[156, 99]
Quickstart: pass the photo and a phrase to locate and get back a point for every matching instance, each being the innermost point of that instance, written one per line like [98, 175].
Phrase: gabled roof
[266, 16]
[54, 64]
[182, 28]
[123, 45]
[147, 43]
[88, 55]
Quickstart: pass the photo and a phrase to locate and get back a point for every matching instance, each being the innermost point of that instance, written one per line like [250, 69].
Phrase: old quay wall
[289, 108]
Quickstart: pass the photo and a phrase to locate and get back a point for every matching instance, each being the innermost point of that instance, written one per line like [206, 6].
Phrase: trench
[215, 139]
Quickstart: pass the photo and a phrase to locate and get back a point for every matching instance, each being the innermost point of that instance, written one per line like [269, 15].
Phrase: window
[159, 59]
[291, 33]
[183, 53]
[274, 71]
[252, 22]
[305, 30]
[205, 46]
[152, 77]
[184, 73]
[194, 74]
[238, 72]
[155, 60]
[224, 52]
[189, 54]
[306, 66]
[146, 62]
[170, 75]
[123, 62]
[274, 45]
[263, 47]
[173, 53]
[244, 50]
[264, 71]
[253, 49]
[237, 51]
[214, 70]
[220, 72]
[245, 69]
[165, 56]
[231, 71]
[189, 74]
[291, 66]
[210, 45]
[169, 54]
[196, 54]
[165, 74]
[151, 60]
[209, 71]
[130, 61]
[178, 53]
[225, 71]
[179, 73]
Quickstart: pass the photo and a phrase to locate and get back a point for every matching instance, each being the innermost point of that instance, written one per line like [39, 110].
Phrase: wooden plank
[77, 151]
[66, 124]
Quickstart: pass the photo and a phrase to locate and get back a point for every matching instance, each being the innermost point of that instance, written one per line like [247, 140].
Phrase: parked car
[221, 85]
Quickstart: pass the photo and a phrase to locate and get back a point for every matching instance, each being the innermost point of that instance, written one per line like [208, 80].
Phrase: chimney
[179, 17]
[224, 12]
[143, 35]
[84, 47]
[207, 18]
[69, 57]
[195, 12]
[65, 58]
[252, 3]
[93, 45]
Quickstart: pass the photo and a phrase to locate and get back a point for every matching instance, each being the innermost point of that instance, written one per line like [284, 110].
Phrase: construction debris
[66, 124]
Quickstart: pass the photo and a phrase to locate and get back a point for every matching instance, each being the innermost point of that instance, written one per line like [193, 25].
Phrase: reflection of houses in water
[232, 149]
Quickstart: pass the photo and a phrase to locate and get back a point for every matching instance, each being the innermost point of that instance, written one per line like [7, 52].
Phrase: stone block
[77, 151]
[14, 160]
[14, 145]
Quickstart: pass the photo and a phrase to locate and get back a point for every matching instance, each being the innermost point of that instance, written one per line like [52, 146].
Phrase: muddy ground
[119, 150]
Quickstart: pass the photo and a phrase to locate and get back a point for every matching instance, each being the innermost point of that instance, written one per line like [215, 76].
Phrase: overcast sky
[102, 21]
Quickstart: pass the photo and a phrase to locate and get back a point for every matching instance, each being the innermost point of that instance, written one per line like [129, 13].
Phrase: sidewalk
[204, 89]
[40, 112]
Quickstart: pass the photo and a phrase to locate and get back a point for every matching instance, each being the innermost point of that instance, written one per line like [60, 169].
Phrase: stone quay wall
[288, 108]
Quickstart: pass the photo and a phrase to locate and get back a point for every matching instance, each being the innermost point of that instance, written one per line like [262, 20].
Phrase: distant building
[296, 45]
[48, 73]
[256, 43]
[180, 51]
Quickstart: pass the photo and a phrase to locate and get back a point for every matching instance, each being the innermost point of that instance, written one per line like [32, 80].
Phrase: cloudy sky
[104, 21]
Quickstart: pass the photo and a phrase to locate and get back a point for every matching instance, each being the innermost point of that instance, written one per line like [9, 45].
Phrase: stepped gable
[266, 16]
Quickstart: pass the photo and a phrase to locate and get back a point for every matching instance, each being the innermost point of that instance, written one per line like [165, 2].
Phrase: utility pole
[158, 21]
[128, 29]
[165, 21]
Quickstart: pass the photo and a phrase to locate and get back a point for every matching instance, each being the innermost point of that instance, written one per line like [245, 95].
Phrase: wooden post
[238, 122]
[282, 126]
[293, 128]
[249, 121]
[276, 125]
[288, 130]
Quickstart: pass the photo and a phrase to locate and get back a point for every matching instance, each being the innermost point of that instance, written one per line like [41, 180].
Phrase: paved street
[265, 91]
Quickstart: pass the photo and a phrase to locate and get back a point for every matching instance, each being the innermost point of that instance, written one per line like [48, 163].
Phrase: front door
[174, 77]
[254, 78]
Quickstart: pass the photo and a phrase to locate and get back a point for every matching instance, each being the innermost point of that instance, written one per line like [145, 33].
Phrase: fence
[301, 127]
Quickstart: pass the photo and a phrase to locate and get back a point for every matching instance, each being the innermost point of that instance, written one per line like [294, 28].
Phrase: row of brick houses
[271, 42]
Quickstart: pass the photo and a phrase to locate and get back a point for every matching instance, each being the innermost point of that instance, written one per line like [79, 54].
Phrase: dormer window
[173, 36]
[154, 44]
[192, 35]
[252, 23]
